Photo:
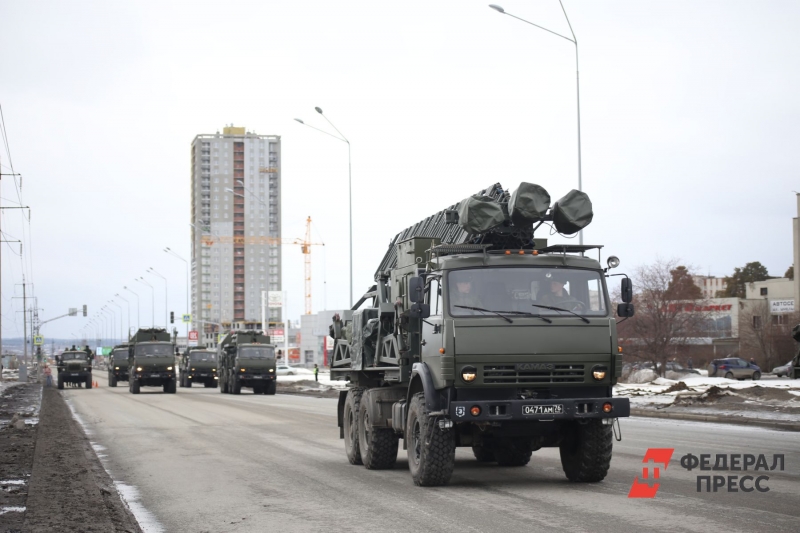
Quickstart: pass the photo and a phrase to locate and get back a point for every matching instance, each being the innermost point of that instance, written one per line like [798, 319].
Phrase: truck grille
[74, 368]
[509, 374]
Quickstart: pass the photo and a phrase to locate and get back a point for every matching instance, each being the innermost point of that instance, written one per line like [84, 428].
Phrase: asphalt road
[204, 461]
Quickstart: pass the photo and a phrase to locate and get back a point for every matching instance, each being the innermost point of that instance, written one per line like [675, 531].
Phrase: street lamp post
[176, 256]
[138, 324]
[349, 185]
[129, 314]
[112, 321]
[121, 336]
[574, 41]
[152, 271]
[141, 279]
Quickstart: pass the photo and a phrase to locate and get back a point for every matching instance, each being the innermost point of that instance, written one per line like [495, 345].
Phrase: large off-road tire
[350, 421]
[483, 454]
[89, 382]
[172, 386]
[135, 386]
[60, 383]
[586, 451]
[188, 383]
[431, 450]
[378, 446]
[223, 388]
[512, 452]
[272, 388]
[237, 386]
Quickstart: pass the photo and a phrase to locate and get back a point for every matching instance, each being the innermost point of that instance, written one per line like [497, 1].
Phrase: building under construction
[236, 228]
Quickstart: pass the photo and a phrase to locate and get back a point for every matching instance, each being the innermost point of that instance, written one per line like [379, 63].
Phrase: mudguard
[421, 374]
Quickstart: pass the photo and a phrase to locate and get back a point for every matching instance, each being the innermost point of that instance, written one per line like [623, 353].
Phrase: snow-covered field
[304, 374]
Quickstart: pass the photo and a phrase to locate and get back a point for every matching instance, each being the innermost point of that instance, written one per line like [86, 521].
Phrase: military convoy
[246, 359]
[118, 365]
[477, 334]
[151, 360]
[198, 365]
[75, 366]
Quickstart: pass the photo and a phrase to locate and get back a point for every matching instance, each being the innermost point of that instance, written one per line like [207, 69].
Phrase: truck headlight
[213, 369]
[116, 368]
[169, 368]
[272, 370]
[138, 369]
[241, 370]
[599, 373]
[469, 373]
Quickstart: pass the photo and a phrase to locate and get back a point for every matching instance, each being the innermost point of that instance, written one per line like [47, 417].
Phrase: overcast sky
[689, 123]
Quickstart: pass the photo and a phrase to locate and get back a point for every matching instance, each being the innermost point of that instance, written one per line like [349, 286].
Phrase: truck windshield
[68, 356]
[256, 352]
[522, 289]
[120, 354]
[202, 356]
[154, 349]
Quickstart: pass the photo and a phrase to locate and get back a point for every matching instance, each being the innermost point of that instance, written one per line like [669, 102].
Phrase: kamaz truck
[118, 365]
[199, 365]
[75, 366]
[246, 359]
[151, 360]
[476, 334]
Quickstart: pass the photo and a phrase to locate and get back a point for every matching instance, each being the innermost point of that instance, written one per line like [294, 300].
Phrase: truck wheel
[60, 383]
[351, 405]
[215, 384]
[513, 452]
[378, 446]
[188, 383]
[272, 387]
[483, 454]
[135, 386]
[88, 382]
[237, 387]
[172, 387]
[111, 381]
[431, 450]
[586, 451]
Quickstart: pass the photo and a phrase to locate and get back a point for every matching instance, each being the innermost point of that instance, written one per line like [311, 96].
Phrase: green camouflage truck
[118, 365]
[476, 334]
[151, 360]
[246, 359]
[75, 366]
[199, 365]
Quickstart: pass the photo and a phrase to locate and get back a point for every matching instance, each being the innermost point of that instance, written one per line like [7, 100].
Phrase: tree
[766, 337]
[663, 324]
[737, 282]
[789, 273]
[682, 285]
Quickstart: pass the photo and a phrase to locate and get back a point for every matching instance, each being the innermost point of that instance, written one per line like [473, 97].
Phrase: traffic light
[84, 309]
[172, 317]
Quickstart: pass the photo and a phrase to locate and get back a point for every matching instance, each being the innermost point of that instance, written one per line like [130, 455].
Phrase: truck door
[432, 330]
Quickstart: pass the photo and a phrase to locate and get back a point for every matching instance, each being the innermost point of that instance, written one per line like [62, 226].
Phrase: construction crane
[304, 243]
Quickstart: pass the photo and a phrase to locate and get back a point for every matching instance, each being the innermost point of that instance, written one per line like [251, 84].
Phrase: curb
[720, 419]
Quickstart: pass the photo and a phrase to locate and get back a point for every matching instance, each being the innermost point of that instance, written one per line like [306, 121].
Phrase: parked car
[783, 370]
[733, 368]
[285, 370]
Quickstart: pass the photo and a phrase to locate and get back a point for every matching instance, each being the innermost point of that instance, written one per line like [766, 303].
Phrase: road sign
[187, 319]
[276, 336]
[38, 340]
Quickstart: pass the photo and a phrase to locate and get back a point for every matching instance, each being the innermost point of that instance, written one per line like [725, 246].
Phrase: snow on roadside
[304, 374]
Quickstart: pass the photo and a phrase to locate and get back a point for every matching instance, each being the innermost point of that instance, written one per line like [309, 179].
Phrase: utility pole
[24, 320]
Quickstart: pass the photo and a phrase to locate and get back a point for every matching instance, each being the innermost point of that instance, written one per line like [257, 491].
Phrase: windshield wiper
[532, 315]
[560, 309]
[486, 311]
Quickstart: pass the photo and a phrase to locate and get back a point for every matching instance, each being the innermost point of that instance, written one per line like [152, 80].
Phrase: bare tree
[665, 319]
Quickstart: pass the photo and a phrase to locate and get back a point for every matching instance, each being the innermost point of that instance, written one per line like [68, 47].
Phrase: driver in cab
[465, 294]
[555, 293]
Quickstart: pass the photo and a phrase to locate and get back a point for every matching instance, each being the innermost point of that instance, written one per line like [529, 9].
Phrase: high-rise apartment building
[236, 228]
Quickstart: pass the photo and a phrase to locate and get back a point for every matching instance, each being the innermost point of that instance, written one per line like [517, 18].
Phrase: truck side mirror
[416, 289]
[627, 291]
[625, 310]
[420, 310]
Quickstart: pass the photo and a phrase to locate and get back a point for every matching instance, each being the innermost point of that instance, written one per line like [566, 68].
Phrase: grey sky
[689, 116]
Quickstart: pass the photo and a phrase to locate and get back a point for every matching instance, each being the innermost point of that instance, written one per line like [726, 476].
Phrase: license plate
[155, 375]
[542, 409]
[74, 374]
[258, 377]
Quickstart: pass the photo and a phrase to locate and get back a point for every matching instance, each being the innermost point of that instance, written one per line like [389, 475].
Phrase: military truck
[118, 365]
[75, 366]
[198, 365]
[246, 359]
[476, 334]
[151, 360]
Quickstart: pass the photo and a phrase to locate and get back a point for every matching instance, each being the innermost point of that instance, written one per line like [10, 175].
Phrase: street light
[188, 310]
[152, 271]
[138, 325]
[121, 336]
[141, 279]
[574, 41]
[349, 185]
[129, 314]
[113, 318]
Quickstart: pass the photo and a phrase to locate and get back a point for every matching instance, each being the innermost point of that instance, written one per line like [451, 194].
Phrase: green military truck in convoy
[477, 334]
[75, 366]
[199, 365]
[151, 360]
[246, 359]
[118, 365]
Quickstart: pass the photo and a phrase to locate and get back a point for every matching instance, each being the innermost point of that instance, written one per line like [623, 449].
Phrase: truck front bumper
[544, 410]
